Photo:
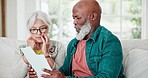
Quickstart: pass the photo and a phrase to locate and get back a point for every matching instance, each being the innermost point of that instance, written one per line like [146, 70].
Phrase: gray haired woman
[38, 26]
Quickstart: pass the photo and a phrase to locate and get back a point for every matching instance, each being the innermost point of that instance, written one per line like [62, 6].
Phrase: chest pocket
[95, 59]
[95, 56]
[94, 63]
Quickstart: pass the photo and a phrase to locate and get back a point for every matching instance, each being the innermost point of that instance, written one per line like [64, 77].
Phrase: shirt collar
[95, 35]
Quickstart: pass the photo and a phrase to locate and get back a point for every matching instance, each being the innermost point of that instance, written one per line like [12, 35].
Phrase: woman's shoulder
[56, 47]
[18, 47]
[56, 44]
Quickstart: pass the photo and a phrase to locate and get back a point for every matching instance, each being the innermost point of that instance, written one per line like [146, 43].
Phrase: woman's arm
[57, 52]
[19, 67]
[61, 54]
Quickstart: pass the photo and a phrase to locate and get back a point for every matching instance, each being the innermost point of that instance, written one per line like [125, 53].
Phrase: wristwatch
[48, 56]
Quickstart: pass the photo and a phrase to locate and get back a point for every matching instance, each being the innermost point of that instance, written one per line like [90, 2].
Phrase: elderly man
[95, 52]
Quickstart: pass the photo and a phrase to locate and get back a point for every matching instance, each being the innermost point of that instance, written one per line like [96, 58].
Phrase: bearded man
[95, 52]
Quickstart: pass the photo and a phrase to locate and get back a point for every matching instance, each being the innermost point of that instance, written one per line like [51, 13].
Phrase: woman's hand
[45, 46]
[32, 73]
[31, 42]
[25, 60]
[46, 43]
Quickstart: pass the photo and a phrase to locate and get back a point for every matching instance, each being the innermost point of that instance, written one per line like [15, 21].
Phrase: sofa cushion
[7, 49]
[136, 64]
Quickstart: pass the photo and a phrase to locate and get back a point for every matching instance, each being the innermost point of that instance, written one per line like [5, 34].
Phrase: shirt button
[100, 54]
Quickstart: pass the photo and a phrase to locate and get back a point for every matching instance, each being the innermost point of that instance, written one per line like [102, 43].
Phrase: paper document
[38, 62]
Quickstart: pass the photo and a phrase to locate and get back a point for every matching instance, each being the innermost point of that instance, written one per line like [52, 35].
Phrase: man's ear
[93, 16]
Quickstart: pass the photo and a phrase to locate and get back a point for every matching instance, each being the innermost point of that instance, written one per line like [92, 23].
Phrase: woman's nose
[39, 32]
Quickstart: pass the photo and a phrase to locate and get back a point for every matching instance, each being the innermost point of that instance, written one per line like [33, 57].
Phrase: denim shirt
[103, 55]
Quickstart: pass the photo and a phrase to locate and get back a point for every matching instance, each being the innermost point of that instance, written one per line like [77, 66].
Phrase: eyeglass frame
[39, 29]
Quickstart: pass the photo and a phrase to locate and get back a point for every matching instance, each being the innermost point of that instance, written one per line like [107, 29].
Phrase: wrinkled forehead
[78, 10]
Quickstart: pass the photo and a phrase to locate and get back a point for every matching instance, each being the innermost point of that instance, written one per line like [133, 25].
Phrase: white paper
[38, 62]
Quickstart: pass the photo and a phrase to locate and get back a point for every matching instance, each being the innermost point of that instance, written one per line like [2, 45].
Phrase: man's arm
[66, 67]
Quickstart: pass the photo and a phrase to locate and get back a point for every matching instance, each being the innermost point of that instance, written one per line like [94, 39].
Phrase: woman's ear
[93, 16]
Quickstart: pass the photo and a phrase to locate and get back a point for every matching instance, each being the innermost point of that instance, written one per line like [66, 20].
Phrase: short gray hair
[38, 15]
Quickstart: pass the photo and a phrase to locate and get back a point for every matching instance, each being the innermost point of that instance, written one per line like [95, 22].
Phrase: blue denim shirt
[103, 55]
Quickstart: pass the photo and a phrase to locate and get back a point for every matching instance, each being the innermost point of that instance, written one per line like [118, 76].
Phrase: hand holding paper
[37, 61]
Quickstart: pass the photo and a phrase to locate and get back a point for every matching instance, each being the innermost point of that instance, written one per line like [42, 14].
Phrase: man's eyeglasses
[41, 29]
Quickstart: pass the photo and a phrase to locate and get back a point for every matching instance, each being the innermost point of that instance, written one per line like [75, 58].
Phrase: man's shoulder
[72, 42]
[106, 33]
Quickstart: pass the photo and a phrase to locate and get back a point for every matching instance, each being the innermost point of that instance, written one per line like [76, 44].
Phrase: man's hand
[52, 74]
[32, 73]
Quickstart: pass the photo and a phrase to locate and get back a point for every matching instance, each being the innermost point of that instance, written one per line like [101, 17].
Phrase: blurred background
[127, 19]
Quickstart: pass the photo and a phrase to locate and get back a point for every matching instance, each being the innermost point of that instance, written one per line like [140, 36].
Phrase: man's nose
[75, 22]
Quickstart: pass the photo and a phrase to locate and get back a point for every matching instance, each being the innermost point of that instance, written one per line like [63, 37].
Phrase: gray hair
[38, 15]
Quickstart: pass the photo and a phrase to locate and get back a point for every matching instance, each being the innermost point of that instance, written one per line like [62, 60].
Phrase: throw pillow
[136, 64]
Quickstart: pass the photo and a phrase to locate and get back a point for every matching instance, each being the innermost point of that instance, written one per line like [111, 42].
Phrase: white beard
[84, 30]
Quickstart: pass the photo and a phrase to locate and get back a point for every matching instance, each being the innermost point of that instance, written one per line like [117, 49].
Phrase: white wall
[0, 20]
[28, 6]
[17, 12]
[11, 19]
[21, 25]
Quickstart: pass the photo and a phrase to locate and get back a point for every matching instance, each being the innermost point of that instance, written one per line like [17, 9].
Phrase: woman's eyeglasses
[41, 29]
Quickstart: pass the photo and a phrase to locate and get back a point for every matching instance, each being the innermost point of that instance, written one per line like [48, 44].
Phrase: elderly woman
[39, 26]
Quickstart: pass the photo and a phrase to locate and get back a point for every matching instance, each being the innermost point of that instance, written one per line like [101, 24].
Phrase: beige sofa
[135, 57]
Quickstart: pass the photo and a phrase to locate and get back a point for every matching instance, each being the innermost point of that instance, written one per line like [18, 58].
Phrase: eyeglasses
[42, 29]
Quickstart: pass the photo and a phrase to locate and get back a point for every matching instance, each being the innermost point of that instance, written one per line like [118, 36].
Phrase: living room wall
[17, 11]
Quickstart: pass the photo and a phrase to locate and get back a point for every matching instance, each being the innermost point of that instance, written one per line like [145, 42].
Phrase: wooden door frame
[3, 12]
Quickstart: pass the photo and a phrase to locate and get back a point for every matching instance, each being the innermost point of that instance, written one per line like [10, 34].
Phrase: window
[61, 18]
[122, 17]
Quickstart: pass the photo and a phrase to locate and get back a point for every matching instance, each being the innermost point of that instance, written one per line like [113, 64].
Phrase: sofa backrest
[8, 47]
[128, 45]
